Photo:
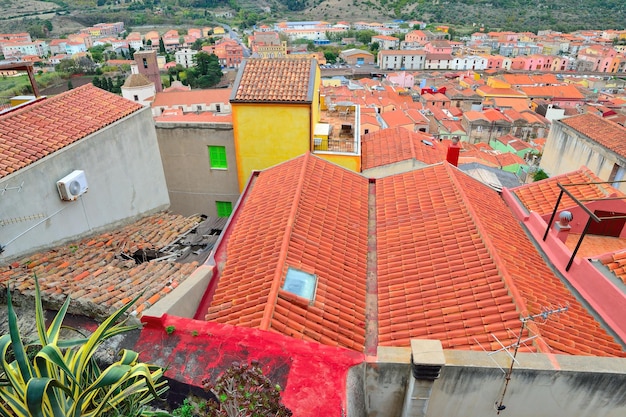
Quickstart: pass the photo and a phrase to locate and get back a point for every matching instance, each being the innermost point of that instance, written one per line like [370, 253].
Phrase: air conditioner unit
[72, 185]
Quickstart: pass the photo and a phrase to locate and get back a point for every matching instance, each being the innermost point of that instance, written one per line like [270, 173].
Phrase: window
[224, 208]
[300, 283]
[136, 97]
[217, 157]
[218, 108]
[145, 63]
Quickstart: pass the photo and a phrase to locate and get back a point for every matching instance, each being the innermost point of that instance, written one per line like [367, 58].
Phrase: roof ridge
[268, 311]
[518, 299]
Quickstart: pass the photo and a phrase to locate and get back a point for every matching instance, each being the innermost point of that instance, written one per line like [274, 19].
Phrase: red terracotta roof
[507, 159]
[48, 125]
[605, 132]
[397, 144]
[177, 116]
[554, 91]
[541, 196]
[307, 214]
[275, 80]
[466, 281]
[99, 273]
[616, 263]
[191, 97]
[396, 118]
[444, 263]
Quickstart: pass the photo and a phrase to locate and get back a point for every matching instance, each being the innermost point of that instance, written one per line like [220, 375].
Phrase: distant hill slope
[515, 15]
[465, 16]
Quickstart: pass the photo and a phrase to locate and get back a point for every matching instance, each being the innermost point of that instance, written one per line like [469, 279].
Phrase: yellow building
[277, 117]
[275, 107]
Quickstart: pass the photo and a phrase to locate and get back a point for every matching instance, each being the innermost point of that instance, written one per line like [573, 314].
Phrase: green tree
[97, 52]
[67, 65]
[331, 56]
[161, 46]
[197, 44]
[201, 62]
[96, 82]
[539, 175]
[60, 377]
[70, 86]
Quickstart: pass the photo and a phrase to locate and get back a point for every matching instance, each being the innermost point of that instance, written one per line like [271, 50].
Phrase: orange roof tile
[99, 272]
[604, 132]
[508, 159]
[554, 91]
[445, 267]
[280, 80]
[191, 97]
[541, 196]
[39, 129]
[314, 217]
[397, 144]
[616, 263]
[396, 118]
[466, 282]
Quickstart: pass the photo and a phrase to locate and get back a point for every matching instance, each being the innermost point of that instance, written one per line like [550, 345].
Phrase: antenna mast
[543, 315]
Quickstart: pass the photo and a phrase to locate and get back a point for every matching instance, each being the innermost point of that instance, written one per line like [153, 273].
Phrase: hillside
[464, 16]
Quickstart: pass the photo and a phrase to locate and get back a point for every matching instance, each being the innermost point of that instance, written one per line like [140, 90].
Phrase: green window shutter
[217, 157]
[224, 208]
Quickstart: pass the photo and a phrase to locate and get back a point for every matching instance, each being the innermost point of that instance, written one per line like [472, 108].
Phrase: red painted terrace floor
[313, 376]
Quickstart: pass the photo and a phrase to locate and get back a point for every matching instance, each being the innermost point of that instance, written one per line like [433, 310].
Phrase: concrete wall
[394, 168]
[192, 185]
[472, 383]
[566, 150]
[125, 177]
[540, 386]
[386, 381]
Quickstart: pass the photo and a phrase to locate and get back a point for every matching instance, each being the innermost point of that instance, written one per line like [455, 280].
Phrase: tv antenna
[499, 405]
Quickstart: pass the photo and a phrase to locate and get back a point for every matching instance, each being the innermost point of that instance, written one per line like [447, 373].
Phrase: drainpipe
[427, 360]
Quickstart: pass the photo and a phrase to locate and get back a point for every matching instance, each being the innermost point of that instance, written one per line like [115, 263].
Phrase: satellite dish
[75, 187]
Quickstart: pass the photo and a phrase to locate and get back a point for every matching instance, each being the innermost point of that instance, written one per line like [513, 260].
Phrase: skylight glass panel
[300, 283]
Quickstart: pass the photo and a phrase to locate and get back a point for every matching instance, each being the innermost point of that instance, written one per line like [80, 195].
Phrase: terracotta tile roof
[99, 273]
[519, 104]
[500, 92]
[397, 144]
[475, 116]
[177, 116]
[541, 196]
[445, 267]
[466, 281]
[453, 126]
[191, 97]
[48, 125]
[137, 80]
[554, 91]
[313, 217]
[507, 159]
[275, 80]
[604, 132]
[616, 262]
[396, 118]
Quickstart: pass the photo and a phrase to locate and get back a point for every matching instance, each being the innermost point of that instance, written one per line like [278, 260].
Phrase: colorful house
[275, 108]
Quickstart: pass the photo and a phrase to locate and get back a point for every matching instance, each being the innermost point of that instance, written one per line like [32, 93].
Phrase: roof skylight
[300, 283]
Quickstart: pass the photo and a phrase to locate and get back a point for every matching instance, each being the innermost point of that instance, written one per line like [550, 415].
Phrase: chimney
[562, 227]
[453, 152]
[427, 361]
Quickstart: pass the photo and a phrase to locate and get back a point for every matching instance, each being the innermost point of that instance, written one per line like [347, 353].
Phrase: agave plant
[63, 378]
